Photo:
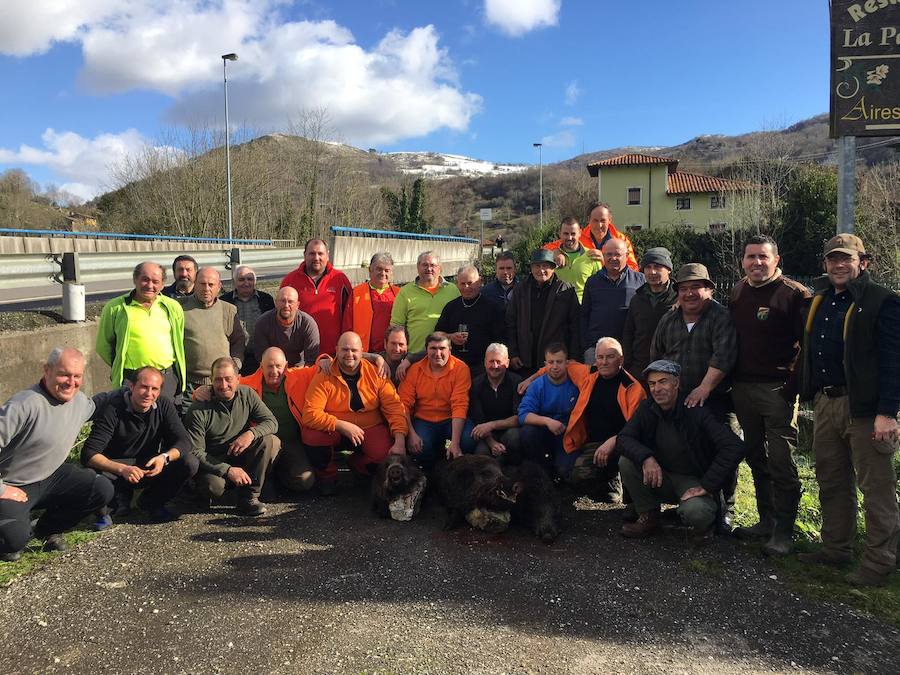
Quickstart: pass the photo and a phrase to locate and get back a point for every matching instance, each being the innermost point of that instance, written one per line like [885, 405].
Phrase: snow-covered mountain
[440, 165]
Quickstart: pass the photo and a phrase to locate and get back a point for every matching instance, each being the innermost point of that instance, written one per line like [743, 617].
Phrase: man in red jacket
[325, 293]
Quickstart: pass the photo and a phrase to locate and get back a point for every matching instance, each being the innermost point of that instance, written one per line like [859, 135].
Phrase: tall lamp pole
[225, 59]
[540, 147]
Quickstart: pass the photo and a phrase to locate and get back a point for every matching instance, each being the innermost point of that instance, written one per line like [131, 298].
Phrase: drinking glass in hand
[463, 328]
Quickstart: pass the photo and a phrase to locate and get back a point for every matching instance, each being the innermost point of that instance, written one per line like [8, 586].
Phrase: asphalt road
[323, 586]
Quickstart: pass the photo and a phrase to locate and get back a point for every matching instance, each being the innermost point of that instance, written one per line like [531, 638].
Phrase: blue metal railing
[359, 232]
[117, 235]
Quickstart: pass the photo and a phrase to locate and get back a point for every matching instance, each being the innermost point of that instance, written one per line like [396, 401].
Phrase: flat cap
[663, 366]
[845, 243]
[693, 272]
[543, 255]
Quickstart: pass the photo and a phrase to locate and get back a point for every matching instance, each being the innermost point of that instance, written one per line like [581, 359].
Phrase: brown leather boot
[646, 524]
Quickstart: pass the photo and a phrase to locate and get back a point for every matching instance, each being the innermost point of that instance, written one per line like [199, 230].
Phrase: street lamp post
[540, 147]
[225, 59]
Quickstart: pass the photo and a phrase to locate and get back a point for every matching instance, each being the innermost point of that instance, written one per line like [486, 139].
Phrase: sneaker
[824, 557]
[12, 556]
[250, 507]
[163, 514]
[646, 524]
[761, 530]
[104, 522]
[867, 577]
[56, 542]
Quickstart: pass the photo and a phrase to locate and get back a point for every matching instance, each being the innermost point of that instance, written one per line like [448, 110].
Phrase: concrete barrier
[23, 353]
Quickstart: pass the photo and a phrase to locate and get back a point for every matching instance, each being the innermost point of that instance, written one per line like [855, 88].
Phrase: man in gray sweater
[38, 427]
[211, 330]
[233, 436]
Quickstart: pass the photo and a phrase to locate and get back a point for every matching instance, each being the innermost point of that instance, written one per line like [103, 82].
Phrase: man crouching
[672, 454]
[232, 451]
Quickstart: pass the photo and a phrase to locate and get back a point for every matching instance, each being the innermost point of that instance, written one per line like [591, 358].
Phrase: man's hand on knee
[690, 493]
[237, 476]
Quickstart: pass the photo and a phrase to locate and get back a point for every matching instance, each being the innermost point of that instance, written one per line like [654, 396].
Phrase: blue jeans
[540, 445]
[435, 436]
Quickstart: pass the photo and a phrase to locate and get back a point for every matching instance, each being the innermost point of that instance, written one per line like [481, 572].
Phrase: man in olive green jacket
[233, 436]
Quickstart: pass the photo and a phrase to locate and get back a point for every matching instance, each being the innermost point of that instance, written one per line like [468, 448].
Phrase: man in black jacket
[543, 310]
[650, 303]
[138, 441]
[850, 369]
[251, 304]
[675, 455]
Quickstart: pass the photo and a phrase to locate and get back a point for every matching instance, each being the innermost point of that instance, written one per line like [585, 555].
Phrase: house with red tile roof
[645, 191]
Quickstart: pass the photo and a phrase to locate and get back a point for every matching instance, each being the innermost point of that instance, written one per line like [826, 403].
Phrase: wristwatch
[166, 457]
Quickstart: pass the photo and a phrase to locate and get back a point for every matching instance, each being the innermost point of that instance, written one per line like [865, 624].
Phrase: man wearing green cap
[543, 309]
[850, 369]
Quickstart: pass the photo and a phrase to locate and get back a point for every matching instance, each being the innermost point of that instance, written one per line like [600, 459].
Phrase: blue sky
[91, 81]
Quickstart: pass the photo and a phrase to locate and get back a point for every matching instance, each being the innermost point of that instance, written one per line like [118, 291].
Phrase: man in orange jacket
[599, 230]
[373, 301]
[435, 392]
[607, 398]
[354, 407]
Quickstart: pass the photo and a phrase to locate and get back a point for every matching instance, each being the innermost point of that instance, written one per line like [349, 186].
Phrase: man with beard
[184, 269]
[576, 265]
[293, 331]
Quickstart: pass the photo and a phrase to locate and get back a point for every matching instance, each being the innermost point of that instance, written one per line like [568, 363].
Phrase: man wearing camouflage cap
[673, 454]
[850, 369]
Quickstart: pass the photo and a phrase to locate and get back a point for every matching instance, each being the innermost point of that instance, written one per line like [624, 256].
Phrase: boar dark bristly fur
[536, 506]
[396, 476]
[472, 481]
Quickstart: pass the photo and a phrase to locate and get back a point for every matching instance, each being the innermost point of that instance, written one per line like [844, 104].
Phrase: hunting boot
[646, 524]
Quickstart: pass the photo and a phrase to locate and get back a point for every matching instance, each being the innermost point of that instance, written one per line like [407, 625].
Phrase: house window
[717, 227]
[682, 203]
[635, 228]
[717, 202]
[634, 196]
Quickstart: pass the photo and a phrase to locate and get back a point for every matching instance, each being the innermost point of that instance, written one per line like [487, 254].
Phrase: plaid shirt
[711, 342]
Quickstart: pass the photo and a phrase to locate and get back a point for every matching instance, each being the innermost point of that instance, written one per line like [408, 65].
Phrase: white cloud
[573, 92]
[571, 122]
[32, 27]
[561, 139]
[403, 87]
[85, 164]
[517, 17]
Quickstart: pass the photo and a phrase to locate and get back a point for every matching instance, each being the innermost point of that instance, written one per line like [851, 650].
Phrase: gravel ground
[323, 586]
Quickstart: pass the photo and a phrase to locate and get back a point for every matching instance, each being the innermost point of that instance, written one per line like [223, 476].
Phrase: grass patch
[34, 558]
[710, 568]
[819, 581]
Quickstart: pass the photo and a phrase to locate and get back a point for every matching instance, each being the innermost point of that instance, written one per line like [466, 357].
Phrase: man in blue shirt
[607, 295]
[505, 281]
[544, 413]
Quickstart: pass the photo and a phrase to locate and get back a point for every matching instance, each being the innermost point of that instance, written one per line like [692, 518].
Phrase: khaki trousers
[846, 455]
[770, 434]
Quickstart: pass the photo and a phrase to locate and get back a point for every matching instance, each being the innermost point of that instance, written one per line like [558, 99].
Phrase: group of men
[620, 376]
